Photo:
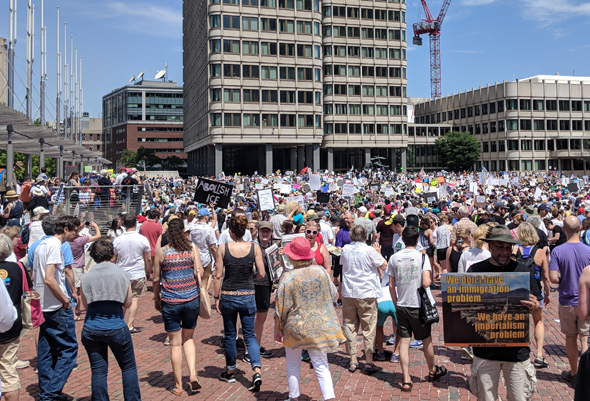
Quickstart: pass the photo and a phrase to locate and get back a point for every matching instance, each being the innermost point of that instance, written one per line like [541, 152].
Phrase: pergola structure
[22, 136]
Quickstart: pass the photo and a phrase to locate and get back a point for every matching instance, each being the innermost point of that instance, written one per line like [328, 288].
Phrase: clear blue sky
[483, 41]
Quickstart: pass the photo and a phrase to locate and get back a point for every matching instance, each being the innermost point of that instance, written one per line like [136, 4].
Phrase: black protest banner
[209, 191]
[322, 197]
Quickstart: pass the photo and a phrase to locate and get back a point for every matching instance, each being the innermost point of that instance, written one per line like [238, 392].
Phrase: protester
[78, 246]
[105, 292]
[305, 317]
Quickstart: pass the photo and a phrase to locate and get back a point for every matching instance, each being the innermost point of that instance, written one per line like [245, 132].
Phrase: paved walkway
[155, 372]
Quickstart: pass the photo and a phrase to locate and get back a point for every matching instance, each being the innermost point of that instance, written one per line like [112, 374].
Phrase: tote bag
[30, 305]
[428, 313]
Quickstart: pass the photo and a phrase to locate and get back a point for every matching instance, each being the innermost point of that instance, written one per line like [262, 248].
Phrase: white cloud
[472, 3]
[552, 11]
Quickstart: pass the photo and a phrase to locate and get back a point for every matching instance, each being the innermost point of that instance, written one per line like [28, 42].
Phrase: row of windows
[539, 165]
[527, 125]
[364, 109]
[264, 24]
[365, 52]
[265, 72]
[365, 71]
[160, 129]
[364, 90]
[288, 4]
[351, 128]
[510, 104]
[267, 96]
[266, 120]
[252, 47]
[539, 144]
[159, 139]
[364, 13]
[341, 31]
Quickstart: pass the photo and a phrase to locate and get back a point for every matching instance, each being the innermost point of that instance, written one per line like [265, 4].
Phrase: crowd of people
[333, 258]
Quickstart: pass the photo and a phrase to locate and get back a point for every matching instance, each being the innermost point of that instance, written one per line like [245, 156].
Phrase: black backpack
[529, 263]
[127, 181]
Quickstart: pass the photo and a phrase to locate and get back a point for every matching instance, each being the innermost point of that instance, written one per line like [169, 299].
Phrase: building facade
[283, 84]
[533, 124]
[146, 114]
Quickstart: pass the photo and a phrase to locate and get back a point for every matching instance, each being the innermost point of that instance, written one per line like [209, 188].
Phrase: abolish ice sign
[209, 191]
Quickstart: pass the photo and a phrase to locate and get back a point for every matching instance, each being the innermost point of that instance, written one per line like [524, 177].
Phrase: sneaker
[246, 358]
[22, 364]
[390, 340]
[228, 377]
[305, 356]
[265, 353]
[256, 383]
[379, 356]
[394, 358]
[466, 354]
[240, 344]
[416, 344]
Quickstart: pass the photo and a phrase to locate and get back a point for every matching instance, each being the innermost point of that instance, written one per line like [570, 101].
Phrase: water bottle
[73, 303]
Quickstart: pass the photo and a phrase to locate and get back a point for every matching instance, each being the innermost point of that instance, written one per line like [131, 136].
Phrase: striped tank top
[178, 283]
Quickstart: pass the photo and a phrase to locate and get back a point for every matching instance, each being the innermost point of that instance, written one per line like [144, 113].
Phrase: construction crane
[432, 27]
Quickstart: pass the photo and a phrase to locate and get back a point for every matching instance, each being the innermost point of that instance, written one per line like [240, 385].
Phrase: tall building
[145, 114]
[537, 123]
[283, 84]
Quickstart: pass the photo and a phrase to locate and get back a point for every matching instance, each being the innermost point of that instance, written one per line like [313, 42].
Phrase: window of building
[512, 125]
[561, 144]
[525, 125]
[215, 70]
[539, 125]
[485, 147]
[539, 165]
[215, 45]
[576, 105]
[288, 120]
[564, 125]
[267, 72]
[538, 105]
[232, 119]
[269, 96]
[252, 95]
[216, 119]
[251, 71]
[564, 105]
[512, 144]
[287, 96]
[231, 22]
[575, 144]
[268, 48]
[551, 125]
[251, 120]
[526, 144]
[287, 73]
[577, 125]
[525, 104]
[231, 70]
[250, 23]
[526, 165]
[500, 105]
[550, 145]
[231, 46]
[250, 47]
[513, 165]
[551, 105]
[270, 120]
[566, 164]
[231, 95]
[539, 144]
[215, 94]
[493, 146]
[215, 21]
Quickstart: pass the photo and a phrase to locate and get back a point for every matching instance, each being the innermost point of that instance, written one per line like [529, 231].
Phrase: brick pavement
[155, 372]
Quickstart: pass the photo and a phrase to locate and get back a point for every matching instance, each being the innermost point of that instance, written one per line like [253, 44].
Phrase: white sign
[315, 182]
[285, 188]
[266, 200]
[538, 193]
[347, 190]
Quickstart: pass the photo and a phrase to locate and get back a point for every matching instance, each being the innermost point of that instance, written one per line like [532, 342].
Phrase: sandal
[195, 385]
[540, 362]
[176, 392]
[353, 366]
[370, 368]
[439, 371]
[407, 387]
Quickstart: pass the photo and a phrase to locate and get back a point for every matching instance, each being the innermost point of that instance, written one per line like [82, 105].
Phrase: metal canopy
[25, 138]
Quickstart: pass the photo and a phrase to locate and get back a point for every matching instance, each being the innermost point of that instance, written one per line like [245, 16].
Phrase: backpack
[413, 220]
[586, 237]
[529, 263]
[127, 181]
[24, 233]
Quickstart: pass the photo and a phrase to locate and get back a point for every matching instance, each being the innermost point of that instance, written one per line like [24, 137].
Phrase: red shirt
[152, 230]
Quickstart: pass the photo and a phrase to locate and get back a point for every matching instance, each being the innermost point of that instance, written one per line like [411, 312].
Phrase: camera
[87, 223]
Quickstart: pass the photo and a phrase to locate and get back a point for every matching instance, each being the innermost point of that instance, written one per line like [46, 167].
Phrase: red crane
[432, 27]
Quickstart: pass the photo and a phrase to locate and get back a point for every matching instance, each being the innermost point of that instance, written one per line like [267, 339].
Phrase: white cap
[362, 209]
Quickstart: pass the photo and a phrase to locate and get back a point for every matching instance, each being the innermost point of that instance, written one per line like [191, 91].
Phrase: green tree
[457, 151]
[172, 163]
[147, 155]
[129, 158]
[50, 164]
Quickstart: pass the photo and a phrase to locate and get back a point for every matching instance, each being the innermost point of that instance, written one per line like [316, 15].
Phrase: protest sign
[473, 187]
[209, 191]
[274, 262]
[388, 191]
[480, 201]
[484, 309]
[71, 169]
[347, 190]
[265, 199]
[538, 193]
[430, 197]
[573, 187]
[315, 182]
[323, 197]
[285, 188]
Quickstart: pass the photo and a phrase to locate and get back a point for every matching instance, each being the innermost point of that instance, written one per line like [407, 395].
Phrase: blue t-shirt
[65, 249]
[298, 219]
[105, 315]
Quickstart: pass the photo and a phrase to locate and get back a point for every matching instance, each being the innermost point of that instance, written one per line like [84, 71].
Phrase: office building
[145, 114]
[532, 124]
[283, 84]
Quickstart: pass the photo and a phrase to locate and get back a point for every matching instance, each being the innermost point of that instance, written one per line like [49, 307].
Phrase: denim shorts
[180, 315]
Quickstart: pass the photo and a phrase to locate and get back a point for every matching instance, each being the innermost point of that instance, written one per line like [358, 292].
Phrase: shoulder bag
[428, 313]
[30, 305]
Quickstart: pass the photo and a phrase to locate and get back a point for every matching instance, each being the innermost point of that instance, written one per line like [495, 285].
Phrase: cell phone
[87, 223]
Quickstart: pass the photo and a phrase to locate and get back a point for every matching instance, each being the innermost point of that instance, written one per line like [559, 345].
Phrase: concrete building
[146, 113]
[283, 84]
[537, 123]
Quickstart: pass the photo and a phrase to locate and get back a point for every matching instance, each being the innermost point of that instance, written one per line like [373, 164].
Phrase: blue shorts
[384, 310]
[180, 315]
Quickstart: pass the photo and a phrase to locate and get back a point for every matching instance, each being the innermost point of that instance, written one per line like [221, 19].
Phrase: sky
[482, 41]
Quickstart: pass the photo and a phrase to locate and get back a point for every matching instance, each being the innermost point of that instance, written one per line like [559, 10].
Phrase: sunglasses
[311, 232]
[251, 228]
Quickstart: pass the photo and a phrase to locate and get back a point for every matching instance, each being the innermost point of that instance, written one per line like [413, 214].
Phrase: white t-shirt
[406, 267]
[129, 248]
[203, 236]
[385, 294]
[225, 238]
[327, 233]
[49, 252]
[471, 257]
[398, 244]
[35, 231]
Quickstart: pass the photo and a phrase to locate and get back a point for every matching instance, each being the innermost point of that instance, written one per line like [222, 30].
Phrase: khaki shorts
[570, 325]
[78, 273]
[8, 360]
[138, 287]
[206, 272]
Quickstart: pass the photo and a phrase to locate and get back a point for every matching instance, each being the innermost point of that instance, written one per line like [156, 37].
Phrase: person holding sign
[513, 362]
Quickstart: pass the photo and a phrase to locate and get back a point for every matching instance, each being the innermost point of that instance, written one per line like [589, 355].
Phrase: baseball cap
[265, 225]
[544, 207]
[362, 209]
[204, 212]
[399, 219]
[387, 209]
[40, 210]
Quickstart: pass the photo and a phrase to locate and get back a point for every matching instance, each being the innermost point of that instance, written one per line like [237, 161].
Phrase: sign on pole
[265, 199]
[209, 191]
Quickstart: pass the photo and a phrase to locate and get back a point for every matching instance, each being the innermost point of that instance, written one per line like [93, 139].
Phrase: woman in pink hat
[305, 317]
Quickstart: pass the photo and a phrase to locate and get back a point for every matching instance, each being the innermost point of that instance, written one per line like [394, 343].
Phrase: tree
[147, 155]
[172, 163]
[457, 151]
[50, 164]
[129, 158]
